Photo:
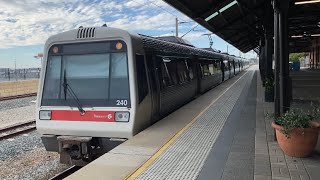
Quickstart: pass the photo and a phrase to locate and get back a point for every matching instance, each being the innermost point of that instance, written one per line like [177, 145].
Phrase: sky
[25, 25]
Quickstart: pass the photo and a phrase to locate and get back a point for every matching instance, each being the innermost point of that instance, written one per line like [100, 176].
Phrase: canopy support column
[277, 60]
[285, 88]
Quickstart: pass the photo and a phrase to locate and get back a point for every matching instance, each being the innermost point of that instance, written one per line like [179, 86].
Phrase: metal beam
[230, 23]
[284, 56]
[215, 9]
[276, 59]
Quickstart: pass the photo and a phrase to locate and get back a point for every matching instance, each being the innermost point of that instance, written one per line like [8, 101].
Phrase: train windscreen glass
[96, 72]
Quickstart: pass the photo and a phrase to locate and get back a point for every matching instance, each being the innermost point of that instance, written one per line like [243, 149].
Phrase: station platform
[222, 134]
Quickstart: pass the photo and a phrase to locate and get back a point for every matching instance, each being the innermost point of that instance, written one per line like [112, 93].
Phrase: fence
[7, 74]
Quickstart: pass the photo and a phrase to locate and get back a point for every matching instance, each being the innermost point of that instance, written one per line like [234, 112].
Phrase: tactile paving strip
[185, 157]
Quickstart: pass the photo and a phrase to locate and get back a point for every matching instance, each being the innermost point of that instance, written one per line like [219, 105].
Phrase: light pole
[39, 55]
[210, 38]
[177, 25]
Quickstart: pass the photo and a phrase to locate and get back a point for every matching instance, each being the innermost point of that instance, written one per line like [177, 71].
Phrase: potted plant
[297, 132]
[269, 90]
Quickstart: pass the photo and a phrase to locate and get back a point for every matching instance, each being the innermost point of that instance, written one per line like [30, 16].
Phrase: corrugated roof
[242, 23]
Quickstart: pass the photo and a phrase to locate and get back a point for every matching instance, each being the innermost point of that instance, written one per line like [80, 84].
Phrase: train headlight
[45, 115]
[122, 117]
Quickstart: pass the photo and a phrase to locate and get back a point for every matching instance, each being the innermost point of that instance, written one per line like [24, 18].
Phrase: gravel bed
[15, 103]
[20, 144]
[24, 157]
[17, 115]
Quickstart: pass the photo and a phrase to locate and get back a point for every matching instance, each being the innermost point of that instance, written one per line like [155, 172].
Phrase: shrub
[294, 119]
[269, 85]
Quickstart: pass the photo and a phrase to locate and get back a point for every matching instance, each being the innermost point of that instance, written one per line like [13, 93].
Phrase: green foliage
[295, 57]
[269, 85]
[294, 119]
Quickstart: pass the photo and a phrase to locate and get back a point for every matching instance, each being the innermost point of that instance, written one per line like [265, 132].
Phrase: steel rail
[66, 173]
[17, 96]
[17, 129]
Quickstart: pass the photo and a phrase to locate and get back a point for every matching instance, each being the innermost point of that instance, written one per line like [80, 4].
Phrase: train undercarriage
[79, 151]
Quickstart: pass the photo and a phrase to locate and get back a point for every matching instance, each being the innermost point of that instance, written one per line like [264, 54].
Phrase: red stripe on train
[95, 116]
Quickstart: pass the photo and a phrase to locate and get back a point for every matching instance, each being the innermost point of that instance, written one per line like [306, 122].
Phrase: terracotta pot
[302, 141]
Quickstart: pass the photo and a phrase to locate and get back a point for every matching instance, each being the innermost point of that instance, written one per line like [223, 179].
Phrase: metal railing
[7, 74]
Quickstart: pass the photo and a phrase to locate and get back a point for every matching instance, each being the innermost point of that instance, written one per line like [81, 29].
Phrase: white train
[100, 86]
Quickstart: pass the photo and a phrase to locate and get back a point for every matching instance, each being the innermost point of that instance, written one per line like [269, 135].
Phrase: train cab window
[52, 85]
[119, 76]
[141, 77]
[96, 73]
[93, 72]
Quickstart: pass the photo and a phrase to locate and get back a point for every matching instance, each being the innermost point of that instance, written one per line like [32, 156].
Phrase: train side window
[141, 77]
[172, 69]
[166, 80]
[211, 69]
[206, 71]
[182, 71]
[226, 65]
[217, 65]
[190, 69]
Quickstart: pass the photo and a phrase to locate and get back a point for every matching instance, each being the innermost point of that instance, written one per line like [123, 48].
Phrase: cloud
[31, 22]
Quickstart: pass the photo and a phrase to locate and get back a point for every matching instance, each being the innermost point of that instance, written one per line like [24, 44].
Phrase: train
[100, 86]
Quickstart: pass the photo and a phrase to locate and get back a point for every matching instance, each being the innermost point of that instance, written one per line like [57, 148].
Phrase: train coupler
[74, 148]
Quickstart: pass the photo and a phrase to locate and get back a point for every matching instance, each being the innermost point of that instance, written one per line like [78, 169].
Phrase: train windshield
[97, 73]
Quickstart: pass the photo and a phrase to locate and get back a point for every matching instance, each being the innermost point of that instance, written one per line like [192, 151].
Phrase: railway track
[17, 129]
[66, 173]
[18, 96]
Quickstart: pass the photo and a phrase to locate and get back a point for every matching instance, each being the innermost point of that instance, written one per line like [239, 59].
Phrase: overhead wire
[167, 11]
[152, 2]
[163, 9]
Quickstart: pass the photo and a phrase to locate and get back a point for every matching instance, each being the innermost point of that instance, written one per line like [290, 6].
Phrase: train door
[234, 67]
[222, 65]
[231, 72]
[198, 70]
[144, 92]
[154, 85]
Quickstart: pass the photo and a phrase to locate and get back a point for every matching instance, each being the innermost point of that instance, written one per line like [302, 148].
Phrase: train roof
[175, 39]
[170, 48]
[165, 45]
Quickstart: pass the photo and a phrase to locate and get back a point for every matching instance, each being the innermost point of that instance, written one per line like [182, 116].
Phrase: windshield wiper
[67, 88]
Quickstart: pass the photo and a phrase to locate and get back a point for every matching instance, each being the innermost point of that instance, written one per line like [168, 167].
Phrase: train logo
[109, 116]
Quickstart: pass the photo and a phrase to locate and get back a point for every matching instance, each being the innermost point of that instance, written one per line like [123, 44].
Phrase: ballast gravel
[24, 157]
[16, 115]
[15, 103]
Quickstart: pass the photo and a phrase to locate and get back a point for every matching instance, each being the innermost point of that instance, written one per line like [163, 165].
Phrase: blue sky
[26, 24]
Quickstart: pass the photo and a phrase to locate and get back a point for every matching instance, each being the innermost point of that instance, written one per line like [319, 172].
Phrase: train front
[83, 106]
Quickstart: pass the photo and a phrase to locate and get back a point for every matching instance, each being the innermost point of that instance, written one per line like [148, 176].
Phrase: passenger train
[100, 86]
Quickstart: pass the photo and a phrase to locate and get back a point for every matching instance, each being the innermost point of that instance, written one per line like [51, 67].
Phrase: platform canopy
[243, 23]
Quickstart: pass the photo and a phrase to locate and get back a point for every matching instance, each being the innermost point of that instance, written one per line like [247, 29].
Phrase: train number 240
[122, 102]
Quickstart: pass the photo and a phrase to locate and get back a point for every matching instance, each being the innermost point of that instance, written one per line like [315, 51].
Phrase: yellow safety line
[144, 166]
